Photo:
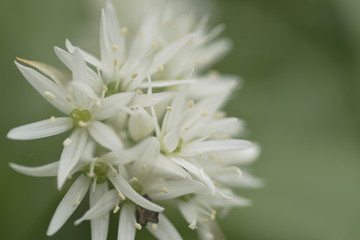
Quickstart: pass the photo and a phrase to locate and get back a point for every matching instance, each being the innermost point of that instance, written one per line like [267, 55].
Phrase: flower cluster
[146, 126]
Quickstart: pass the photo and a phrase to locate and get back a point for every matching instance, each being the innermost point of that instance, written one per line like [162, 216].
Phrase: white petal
[48, 170]
[198, 172]
[193, 149]
[173, 117]
[42, 84]
[105, 136]
[243, 157]
[140, 118]
[80, 76]
[64, 56]
[124, 187]
[169, 51]
[165, 230]
[69, 204]
[126, 230]
[100, 225]
[41, 129]
[102, 206]
[189, 212]
[171, 139]
[149, 149]
[167, 83]
[71, 154]
[60, 77]
[175, 188]
[166, 168]
[112, 105]
[88, 57]
[147, 100]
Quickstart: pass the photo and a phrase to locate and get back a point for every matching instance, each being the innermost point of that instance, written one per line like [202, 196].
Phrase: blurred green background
[300, 60]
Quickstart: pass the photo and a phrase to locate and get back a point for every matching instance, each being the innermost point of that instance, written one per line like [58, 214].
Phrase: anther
[98, 69]
[91, 174]
[205, 113]
[139, 91]
[76, 203]
[49, 95]
[164, 189]
[190, 104]
[116, 209]
[138, 226]
[105, 88]
[124, 30]
[160, 68]
[115, 62]
[69, 177]
[144, 167]
[201, 154]
[69, 98]
[122, 196]
[206, 220]
[52, 119]
[134, 75]
[169, 108]
[115, 47]
[82, 124]
[67, 142]
[134, 179]
[154, 227]
[98, 103]
[212, 133]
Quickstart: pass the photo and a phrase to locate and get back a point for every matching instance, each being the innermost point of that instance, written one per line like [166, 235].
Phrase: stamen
[169, 108]
[190, 104]
[206, 220]
[213, 215]
[134, 75]
[138, 226]
[144, 167]
[122, 196]
[187, 128]
[52, 119]
[76, 203]
[82, 124]
[105, 88]
[94, 183]
[98, 103]
[115, 47]
[160, 68]
[49, 95]
[139, 91]
[205, 113]
[212, 133]
[134, 179]
[69, 177]
[164, 189]
[98, 69]
[201, 154]
[116, 209]
[213, 73]
[67, 142]
[69, 98]
[115, 62]
[124, 31]
[112, 168]
[154, 227]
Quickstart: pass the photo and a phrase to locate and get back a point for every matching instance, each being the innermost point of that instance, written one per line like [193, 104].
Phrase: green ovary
[78, 116]
[100, 171]
[112, 89]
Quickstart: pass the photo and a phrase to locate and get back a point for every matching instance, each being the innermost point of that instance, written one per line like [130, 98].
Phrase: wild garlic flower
[147, 127]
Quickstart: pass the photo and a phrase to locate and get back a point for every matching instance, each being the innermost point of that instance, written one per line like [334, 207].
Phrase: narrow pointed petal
[69, 204]
[41, 129]
[150, 149]
[44, 85]
[124, 187]
[175, 188]
[88, 57]
[71, 155]
[140, 118]
[171, 139]
[48, 170]
[147, 100]
[105, 136]
[126, 230]
[167, 83]
[173, 117]
[165, 229]
[102, 206]
[193, 149]
[112, 105]
[100, 225]
[166, 168]
[80, 76]
[60, 77]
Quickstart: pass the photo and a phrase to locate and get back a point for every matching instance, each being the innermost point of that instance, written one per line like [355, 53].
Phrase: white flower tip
[138, 226]
[77, 222]
[193, 226]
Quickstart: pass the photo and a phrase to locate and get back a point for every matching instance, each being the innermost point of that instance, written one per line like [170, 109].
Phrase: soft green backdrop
[300, 60]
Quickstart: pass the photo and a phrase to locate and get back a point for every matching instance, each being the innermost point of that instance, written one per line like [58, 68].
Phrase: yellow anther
[67, 142]
[115, 47]
[134, 75]
[49, 95]
[116, 209]
[139, 91]
[160, 68]
[164, 189]
[124, 31]
[169, 108]
[52, 119]
[76, 203]
[190, 104]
